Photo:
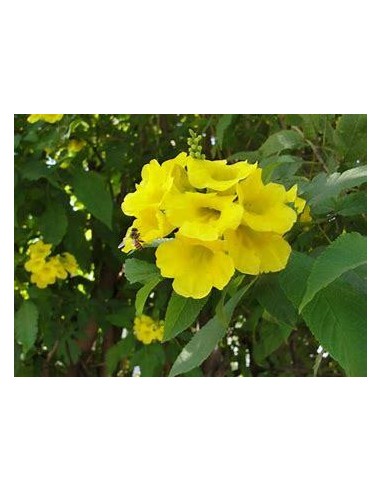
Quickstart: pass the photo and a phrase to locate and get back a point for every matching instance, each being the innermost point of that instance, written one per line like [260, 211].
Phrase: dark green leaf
[347, 252]
[26, 325]
[53, 223]
[350, 205]
[222, 125]
[140, 271]
[91, 189]
[150, 359]
[337, 318]
[121, 317]
[181, 313]
[205, 340]
[117, 352]
[271, 337]
[271, 297]
[350, 137]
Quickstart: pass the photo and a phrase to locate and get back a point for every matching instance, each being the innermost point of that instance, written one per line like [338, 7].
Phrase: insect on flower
[135, 237]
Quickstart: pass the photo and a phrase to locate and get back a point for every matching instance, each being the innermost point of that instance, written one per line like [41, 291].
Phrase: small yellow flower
[49, 118]
[44, 276]
[69, 262]
[203, 215]
[305, 216]
[39, 250]
[34, 264]
[216, 175]
[75, 145]
[55, 262]
[148, 330]
[196, 266]
[265, 205]
[257, 252]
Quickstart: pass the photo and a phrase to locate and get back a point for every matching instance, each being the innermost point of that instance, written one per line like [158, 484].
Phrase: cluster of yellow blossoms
[45, 271]
[148, 330]
[49, 118]
[223, 218]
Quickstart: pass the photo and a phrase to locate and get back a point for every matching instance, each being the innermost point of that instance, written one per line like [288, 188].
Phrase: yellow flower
[196, 266]
[49, 118]
[176, 168]
[39, 250]
[69, 262]
[151, 224]
[44, 276]
[216, 175]
[305, 216]
[265, 205]
[203, 215]
[156, 182]
[148, 330]
[75, 145]
[257, 252]
[55, 262]
[34, 264]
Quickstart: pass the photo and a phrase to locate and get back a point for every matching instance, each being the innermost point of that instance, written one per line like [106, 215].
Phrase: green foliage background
[272, 327]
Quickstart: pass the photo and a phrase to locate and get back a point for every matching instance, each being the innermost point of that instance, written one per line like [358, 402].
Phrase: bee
[135, 236]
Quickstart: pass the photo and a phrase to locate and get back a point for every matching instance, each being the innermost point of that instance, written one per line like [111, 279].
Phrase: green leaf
[91, 189]
[26, 325]
[350, 137]
[144, 292]
[122, 316]
[249, 156]
[271, 337]
[205, 340]
[53, 223]
[324, 187]
[222, 125]
[150, 359]
[271, 297]
[140, 271]
[181, 313]
[117, 352]
[352, 204]
[293, 279]
[280, 168]
[283, 140]
[347, 252]
[337, 318]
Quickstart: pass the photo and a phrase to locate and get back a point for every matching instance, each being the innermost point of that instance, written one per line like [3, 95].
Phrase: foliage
[97, 312]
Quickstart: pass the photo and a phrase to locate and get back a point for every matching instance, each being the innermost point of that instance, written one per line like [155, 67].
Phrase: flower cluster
[47, 269]
[224, 218]
[49, 118]
[148, 330]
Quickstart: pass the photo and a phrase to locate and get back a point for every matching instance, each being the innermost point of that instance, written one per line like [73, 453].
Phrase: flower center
[208, 214]
[201, 254]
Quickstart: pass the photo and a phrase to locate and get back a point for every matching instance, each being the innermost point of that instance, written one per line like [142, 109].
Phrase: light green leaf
[336, 317]
[347, 252]
[181, 313]
[324, 187]
[205, 340]
[140, 271]
[26, 325]
[53, 223]
[144, 292]
[91, 189]
[283, 140]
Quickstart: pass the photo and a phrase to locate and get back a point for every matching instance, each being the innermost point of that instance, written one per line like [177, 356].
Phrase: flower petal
[257, 252]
